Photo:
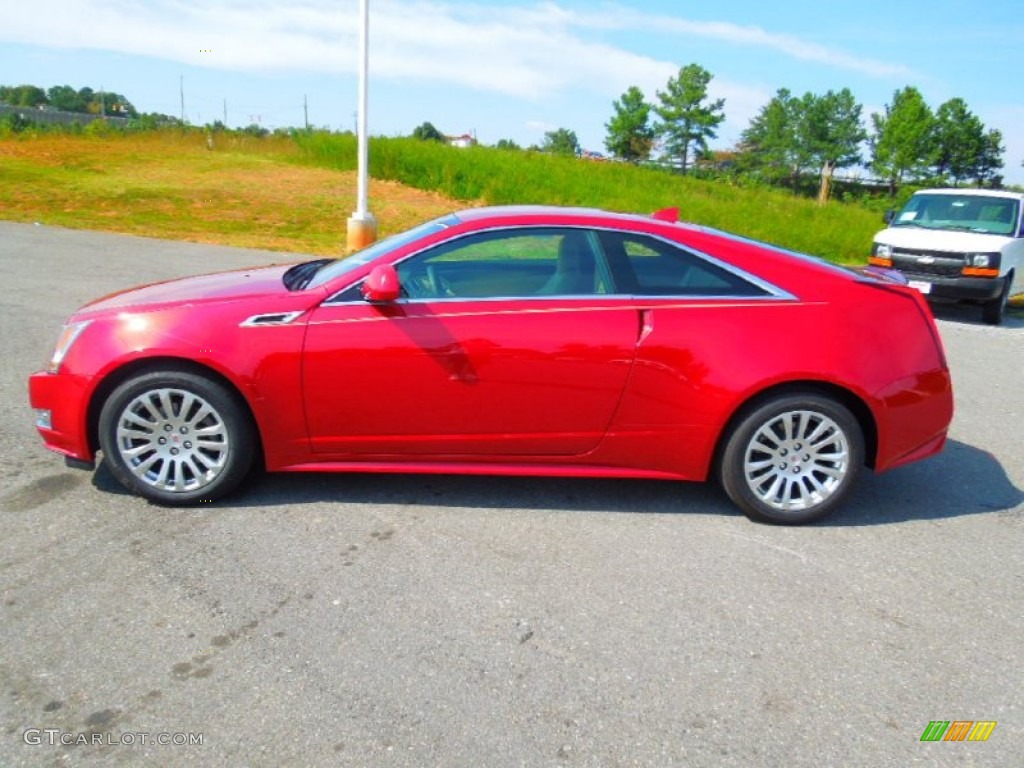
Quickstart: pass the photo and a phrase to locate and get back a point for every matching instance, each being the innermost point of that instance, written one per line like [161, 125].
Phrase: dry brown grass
[244, 192]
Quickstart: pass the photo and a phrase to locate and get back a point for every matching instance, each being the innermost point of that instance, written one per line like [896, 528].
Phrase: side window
[647, 266]
[534, 261]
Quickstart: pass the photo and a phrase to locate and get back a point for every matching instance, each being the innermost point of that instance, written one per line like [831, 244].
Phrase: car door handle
[646, 325]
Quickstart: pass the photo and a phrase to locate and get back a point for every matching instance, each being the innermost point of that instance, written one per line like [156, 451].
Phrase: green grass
[482, 175]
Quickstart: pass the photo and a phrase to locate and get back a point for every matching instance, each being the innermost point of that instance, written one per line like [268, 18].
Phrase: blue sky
[515, 69]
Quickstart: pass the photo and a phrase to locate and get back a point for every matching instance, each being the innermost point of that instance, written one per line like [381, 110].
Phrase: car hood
[941, 240]
[221, 286]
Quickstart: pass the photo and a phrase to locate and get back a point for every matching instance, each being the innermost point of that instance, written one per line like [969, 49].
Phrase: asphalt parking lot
[418, 621]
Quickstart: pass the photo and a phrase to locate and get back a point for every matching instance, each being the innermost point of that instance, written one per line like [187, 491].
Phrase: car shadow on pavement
[970, 314]
[962, 480]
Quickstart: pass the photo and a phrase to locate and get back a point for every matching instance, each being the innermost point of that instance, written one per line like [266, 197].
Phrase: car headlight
[69, 333]
[883, 251]
[979, 259]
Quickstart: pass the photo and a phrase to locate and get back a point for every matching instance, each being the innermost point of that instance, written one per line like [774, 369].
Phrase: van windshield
[986, 214]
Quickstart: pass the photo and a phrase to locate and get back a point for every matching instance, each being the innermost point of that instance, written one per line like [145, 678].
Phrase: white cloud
[792, 46]
[528, 52]
[617, 17]
[540, 126]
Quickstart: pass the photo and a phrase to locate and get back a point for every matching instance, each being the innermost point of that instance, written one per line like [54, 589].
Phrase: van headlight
[882, 251]
[983, 259]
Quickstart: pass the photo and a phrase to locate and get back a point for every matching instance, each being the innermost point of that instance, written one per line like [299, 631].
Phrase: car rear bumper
[917, 413]
[60, 402]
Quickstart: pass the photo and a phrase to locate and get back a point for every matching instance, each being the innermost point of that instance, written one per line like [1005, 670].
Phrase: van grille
[934, 264]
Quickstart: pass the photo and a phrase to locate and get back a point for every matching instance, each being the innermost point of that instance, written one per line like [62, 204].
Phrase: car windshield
[360, 258]
[986, 214]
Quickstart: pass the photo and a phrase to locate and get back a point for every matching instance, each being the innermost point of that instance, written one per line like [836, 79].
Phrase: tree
[769, 143]
[506, 144]
[831, 133]
[561, 142]
[960, 141]
[23, 95]
[427, 132]
[630, 135]
[87, 96]
[903, 143]
[65, 98]
[255, 129]
[990, 160]
[688, 118]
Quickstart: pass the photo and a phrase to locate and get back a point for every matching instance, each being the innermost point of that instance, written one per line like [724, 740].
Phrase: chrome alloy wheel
[172, 440]
[796, 461]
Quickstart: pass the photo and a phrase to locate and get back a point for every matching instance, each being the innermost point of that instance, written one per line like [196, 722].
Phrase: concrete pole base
[362, 231]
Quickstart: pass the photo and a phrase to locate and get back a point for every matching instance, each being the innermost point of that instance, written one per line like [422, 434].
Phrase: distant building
[463, 141]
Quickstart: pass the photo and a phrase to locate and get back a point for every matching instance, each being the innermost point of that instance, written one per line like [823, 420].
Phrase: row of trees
[912, 143]
[795, 136]
[686, 120]
[67, 99]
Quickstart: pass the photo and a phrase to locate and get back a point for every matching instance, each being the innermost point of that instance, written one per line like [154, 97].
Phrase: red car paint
[613, 384]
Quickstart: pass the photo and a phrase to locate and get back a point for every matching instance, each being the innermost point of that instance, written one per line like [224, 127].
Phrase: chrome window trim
[773, 291]
[633, 297]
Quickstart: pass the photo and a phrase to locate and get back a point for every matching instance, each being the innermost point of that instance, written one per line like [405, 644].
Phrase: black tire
[992, 312]
[804, 475]
[177, 438]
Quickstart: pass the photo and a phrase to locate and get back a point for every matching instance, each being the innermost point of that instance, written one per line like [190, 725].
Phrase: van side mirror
[889, 216]
[382, 284]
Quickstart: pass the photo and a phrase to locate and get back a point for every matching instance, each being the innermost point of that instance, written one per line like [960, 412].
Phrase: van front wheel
[992, 312]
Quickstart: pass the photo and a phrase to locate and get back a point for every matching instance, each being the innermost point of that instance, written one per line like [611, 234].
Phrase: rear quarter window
[647, 266]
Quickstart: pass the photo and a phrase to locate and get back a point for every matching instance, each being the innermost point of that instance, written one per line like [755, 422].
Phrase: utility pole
[182, 86]
[362, 227]
[225, 113]
[305, 111]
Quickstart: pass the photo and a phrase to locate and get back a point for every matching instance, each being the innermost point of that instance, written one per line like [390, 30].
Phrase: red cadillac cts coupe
[518, 341]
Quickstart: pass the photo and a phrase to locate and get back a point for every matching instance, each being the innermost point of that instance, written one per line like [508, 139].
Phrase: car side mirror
[889, 216]
[382, 284]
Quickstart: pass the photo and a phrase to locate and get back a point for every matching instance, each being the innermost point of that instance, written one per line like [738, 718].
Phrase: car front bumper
[61, 404]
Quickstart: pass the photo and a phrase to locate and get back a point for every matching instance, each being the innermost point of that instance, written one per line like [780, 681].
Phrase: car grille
[937, 263]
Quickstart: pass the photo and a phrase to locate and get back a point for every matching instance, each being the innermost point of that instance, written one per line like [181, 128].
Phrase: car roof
[540, 211]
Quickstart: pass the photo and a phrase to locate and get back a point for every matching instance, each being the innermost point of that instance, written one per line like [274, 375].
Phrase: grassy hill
[296, 194]
[484, 175]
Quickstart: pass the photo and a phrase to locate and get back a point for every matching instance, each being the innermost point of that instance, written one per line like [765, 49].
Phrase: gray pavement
[340, 620]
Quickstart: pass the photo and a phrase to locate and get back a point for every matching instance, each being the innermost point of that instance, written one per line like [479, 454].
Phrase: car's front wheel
[792, 459]
[176, 438]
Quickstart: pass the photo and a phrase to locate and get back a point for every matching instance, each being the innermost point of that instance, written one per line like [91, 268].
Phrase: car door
[506, 343]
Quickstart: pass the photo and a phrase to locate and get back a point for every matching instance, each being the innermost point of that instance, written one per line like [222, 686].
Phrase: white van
[958, 244]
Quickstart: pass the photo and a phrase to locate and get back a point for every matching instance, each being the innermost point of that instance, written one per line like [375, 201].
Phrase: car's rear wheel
[176, 438]
[992, 312]
[792, 459]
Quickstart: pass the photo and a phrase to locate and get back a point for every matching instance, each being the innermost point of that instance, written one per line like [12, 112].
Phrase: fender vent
[272, 318]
